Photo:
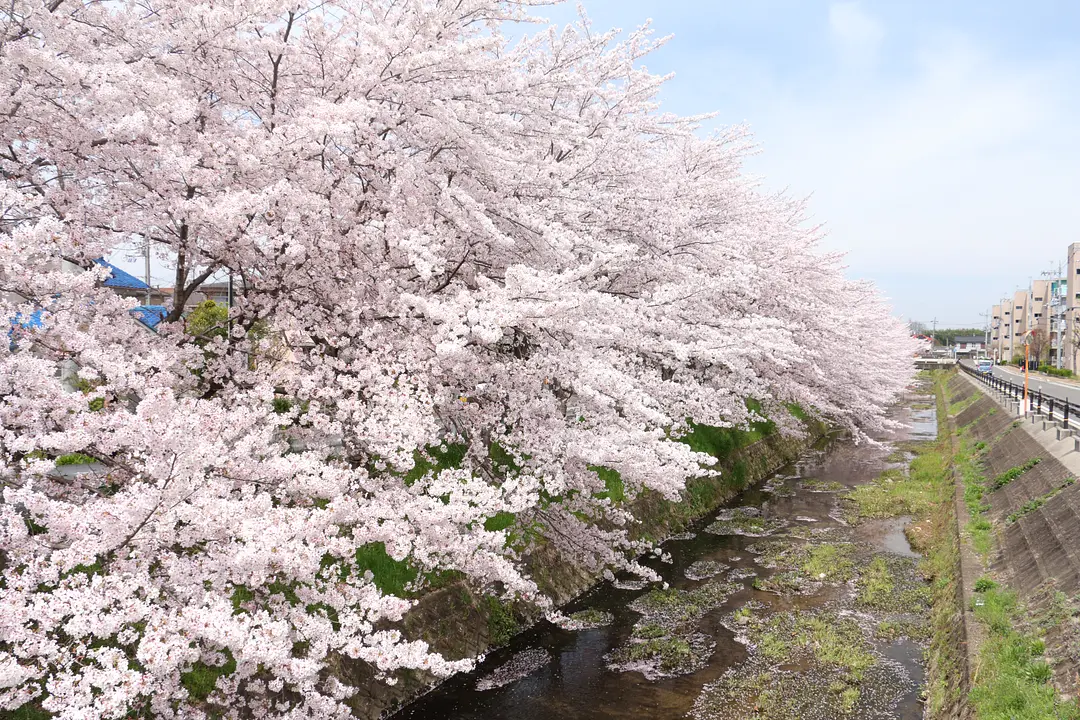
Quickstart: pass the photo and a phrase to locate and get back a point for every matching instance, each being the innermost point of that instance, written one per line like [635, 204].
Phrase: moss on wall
[458, 622]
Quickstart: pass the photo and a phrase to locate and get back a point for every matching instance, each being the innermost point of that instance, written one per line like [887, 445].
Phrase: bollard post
[1038, 400]
[1065, 422]
[1051, 400]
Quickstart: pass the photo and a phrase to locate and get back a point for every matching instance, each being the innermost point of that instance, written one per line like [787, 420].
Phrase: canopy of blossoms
[444, 243]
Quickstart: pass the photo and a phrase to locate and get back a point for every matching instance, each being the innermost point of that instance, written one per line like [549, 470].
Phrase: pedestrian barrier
[1057, 409]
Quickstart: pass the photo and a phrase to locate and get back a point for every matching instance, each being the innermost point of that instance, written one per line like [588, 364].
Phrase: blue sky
[939, 140]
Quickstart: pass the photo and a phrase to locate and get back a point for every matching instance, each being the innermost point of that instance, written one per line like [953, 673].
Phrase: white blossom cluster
[469, 272]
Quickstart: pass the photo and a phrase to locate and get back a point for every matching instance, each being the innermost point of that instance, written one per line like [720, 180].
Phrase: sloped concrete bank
[1019, 495]
[956, 631]
[459, 622]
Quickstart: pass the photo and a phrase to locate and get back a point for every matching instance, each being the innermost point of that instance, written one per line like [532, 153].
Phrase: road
[1061, 391]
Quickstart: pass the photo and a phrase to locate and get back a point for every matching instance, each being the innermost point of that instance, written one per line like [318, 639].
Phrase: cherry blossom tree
[471, 271]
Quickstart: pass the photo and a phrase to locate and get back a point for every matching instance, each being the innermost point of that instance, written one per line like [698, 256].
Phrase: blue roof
[28, 322]
[150, 315]
[121, 279]
[24, 322]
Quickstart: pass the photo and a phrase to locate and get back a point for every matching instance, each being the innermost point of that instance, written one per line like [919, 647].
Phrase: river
[728, 636]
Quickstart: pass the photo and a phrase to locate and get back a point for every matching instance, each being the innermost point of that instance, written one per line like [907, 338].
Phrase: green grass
[1036, 503]
[876, 586]
[891, 584]
[74, 459]
[648, 631]
[797, 412]
[829, 561]
[502, 624]
[673, 652]
[29, 711]
[1012, 473]
[614, 489]
[941, 564]
[1012, 677]
[828, 639]
[979, 529]
[391, 576]
[201, 679]
[721, 442]
[499, 521]
[895, 493]
[959, 407]
[979, 532]
[436, 459]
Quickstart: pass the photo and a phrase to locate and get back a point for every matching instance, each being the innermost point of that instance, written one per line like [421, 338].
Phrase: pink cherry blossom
[440, 238]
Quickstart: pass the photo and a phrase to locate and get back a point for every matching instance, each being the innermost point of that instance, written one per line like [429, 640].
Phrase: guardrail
[1038, 400]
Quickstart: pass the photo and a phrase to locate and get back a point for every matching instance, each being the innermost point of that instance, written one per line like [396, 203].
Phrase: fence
[1040, 402]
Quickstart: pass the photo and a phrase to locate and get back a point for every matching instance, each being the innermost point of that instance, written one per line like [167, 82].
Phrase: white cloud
[963, 162]
[858, 36]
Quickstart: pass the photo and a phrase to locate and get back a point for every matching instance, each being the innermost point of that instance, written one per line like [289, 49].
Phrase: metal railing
[1056, 408]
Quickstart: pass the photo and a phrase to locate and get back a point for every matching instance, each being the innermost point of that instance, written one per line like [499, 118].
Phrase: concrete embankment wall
[458, 622]
[1035, 515]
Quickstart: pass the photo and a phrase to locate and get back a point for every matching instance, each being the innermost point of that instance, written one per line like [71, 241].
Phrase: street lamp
[1027, 356]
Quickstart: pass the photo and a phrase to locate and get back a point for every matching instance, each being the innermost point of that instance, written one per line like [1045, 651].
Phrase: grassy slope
[1011, 679]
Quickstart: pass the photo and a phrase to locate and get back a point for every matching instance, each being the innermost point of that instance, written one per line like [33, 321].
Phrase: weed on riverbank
[745, 521]
[897, 492]
[839, 673]
[666, 641]
[815, 662]
[1013, 677]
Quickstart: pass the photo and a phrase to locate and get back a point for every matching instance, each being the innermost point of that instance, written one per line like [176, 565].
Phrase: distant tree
[1073, 337]
[1037, 344]
[207, 321]
[947, 336]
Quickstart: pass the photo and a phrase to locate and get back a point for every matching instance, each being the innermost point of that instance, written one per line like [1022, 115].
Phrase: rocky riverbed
[786, 604]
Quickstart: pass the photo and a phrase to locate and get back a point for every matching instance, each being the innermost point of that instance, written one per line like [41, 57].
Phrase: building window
[1038, 299]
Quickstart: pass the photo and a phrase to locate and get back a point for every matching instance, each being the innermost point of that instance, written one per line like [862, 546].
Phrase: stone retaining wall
[457, 622]
[1036, 516]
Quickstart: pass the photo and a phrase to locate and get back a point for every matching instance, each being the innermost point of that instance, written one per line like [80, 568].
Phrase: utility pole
[1027, 346]
[146, 257]
[987, 318]
[1055, 275]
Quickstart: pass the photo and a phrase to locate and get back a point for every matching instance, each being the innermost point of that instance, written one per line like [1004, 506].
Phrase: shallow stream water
[567, 674]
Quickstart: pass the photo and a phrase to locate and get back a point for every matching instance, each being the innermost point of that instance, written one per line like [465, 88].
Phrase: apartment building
[1057, 314]
[1003, 348]
[1051, 306]
[1039, 315]
[1020, 322]
[1072, 307]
